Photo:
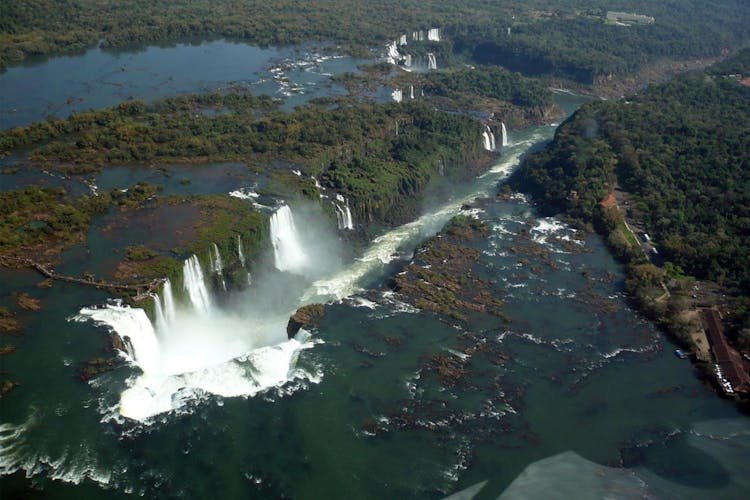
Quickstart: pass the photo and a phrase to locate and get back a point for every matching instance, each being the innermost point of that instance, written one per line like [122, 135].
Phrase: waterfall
[433, 35]
[343, 213]
[432, 64]
[288, 252]
[240, 254]
[504, 140]
[161, 320]
[216, 260]
[488, 139]
[402, 40]
[168, 298]
[411, 91]
[407, 60]
[217, 267]
[393, 55]
[397, 95]
[192, 281]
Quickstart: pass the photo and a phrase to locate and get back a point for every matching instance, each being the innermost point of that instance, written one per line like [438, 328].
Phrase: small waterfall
[402, 40]
[168, 299]
[433, 35]
[432, 63]
[411, 92]
[240, 254]
[216, 260]
[488, 139]
[343, 213]
[393, 55]
[217, 267]
[397, 95]
[407, 61]
[161, 320]
[288, 252]
[192, 280]
[504, 140]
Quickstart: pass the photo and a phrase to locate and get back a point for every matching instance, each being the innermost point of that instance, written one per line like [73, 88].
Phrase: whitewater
[196, 348]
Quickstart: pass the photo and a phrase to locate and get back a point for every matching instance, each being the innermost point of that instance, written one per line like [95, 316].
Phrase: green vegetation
[491, 82]
[681, 151]
[221, 220]
[375, 155]
[40, 219]
[562, 37]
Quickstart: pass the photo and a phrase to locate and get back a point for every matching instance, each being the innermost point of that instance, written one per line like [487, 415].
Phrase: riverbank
[603, 170]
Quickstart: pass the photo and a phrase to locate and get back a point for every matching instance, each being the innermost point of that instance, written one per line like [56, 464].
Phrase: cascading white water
[161, 320]
[343, 213]
[411, 91]
[402, 40]
[288, 252]
[433, 35]
[168, 301]
[392, 51]
[432, 62]
[240, 254]
[243, 352]
[193, 283]
[488, 139]
[217, 267]
[407, 61]
[384, 249]
[397, 95]
[216, 264]
[504, 139]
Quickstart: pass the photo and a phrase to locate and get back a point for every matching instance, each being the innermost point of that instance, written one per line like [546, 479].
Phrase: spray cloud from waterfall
[204, 340]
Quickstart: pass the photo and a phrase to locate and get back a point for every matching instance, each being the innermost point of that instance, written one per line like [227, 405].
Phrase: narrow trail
[142, 290]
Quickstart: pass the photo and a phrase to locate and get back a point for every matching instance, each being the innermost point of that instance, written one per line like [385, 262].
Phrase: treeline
[562, 37]
[681, 151]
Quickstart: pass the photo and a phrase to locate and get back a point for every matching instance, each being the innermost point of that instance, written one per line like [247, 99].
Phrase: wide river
[590, 401]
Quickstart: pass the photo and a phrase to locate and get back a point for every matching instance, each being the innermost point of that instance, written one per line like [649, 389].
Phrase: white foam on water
[72, 466]
[385, 248]
[218, 354]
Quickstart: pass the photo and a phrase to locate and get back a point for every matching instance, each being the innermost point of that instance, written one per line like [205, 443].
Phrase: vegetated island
[570, 39]
[380, 158]
[665, 177]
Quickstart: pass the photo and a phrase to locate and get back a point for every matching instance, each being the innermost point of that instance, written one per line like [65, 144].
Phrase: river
[589, 401]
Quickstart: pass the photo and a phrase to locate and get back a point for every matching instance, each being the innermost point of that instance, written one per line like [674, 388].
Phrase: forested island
[572, 39]
[672, 162]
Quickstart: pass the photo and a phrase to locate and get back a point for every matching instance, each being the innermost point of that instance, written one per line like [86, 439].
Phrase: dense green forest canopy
[565, 37]
[681, 150]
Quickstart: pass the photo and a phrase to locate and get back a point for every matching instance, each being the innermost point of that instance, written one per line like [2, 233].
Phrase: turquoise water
[590, 400]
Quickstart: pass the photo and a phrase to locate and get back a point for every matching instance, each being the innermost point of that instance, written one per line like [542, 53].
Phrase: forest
[565, 38]
[681, 151]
